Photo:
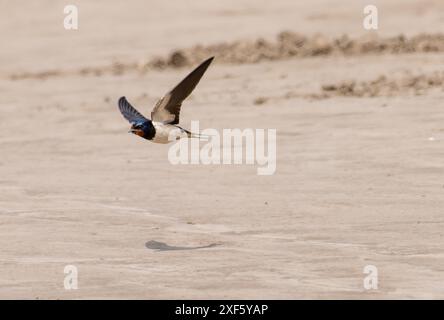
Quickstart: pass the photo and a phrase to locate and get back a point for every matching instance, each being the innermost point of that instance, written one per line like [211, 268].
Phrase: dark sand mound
[289, 44]
[286, 45]
[385, 86]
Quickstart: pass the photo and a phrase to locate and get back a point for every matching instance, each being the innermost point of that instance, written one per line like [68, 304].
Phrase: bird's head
[137, 129]
[145, 129]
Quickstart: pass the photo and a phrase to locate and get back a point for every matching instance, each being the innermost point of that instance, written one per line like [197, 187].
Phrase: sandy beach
[359, 180]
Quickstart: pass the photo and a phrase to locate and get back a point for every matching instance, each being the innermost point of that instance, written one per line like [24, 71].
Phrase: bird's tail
[197, 135]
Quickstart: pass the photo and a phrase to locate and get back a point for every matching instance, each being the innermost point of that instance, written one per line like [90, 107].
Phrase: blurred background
[359, 119]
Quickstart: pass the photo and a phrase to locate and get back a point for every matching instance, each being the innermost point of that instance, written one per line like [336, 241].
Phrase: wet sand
[360, 138]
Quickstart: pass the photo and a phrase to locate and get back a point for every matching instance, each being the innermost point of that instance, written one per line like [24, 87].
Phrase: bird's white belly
[166, 133]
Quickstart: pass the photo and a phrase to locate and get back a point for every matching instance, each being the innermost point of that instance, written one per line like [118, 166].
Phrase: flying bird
[163, 125]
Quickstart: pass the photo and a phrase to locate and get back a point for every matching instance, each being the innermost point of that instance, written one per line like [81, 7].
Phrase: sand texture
[360, 151]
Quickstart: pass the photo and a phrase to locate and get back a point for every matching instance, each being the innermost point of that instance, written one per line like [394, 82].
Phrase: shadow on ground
[160, 246]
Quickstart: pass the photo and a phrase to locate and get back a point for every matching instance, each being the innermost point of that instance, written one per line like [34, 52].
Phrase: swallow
[163, 125]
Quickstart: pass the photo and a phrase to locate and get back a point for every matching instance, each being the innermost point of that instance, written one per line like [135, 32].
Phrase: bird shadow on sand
[161, 246]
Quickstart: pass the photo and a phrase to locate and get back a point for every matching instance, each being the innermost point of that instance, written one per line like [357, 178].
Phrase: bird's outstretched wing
[167, 109]
[129, 112]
